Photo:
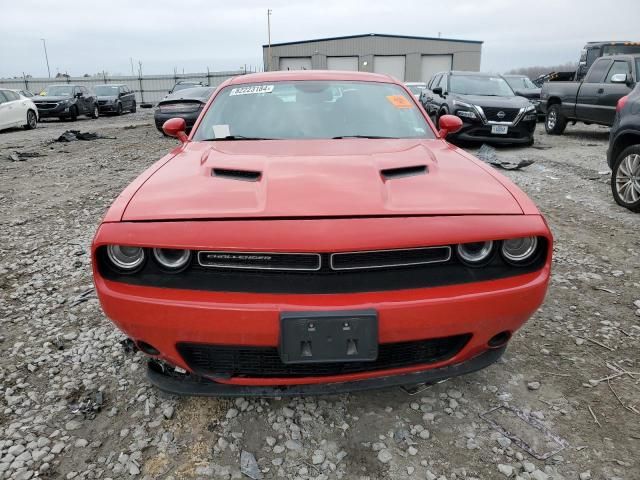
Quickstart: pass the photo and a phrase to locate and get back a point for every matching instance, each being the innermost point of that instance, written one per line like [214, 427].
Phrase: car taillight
[621, 103]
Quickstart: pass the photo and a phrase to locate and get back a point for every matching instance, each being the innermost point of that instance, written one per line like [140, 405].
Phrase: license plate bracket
[326, 337]
[499, 129]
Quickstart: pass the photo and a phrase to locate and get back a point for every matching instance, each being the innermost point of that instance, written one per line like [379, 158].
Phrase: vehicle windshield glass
[518, 83]
[479, 85]
[313, 109]
[183, 86]
[57, 90]
[620, 49]
[106, 90]
[416, 89]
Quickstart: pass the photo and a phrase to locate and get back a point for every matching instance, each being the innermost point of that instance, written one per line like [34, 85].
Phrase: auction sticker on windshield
[251, 90]
[399, 101]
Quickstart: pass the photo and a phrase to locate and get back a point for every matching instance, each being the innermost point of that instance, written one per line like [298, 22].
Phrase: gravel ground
[75, 404]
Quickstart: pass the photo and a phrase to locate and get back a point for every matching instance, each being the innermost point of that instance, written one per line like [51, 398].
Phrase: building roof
[372, 35]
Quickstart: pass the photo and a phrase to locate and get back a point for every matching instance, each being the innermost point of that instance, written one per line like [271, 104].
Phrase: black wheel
[555, 122]
[95, 112]
[119, 109]
[73, 113]
[133, 107]
[32, 120]
[530, 142]
[625, 178]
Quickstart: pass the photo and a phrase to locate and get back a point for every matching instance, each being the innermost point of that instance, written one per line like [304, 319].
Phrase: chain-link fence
[148, 88]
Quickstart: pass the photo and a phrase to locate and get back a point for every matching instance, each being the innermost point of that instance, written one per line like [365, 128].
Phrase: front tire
[32, 120]
[95, 113]
[119, 109]
[133, 107]
[555, 123]
[625, 178]
[73, 114]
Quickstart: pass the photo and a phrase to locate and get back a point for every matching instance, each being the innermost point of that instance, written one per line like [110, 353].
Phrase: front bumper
[164, 317]
[476, 131]
[58, 111]
[191, 385]
[107, 107]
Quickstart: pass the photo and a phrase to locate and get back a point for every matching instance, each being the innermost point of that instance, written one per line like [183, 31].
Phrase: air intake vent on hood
[244, 175]
[391, 173]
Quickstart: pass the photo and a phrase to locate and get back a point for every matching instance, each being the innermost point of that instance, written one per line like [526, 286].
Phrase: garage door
[390, 65]
[342, 63]
[295, 63]
[432, 64]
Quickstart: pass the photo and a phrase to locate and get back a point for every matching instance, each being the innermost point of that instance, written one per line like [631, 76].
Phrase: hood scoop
[400, 172]
[233, 174]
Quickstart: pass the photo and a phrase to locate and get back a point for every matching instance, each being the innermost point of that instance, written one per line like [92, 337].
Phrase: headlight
[530, 108]
[466, 114]
[171, 258]
[519, 250]
[476, 253]
[529, 117]
[125, 258]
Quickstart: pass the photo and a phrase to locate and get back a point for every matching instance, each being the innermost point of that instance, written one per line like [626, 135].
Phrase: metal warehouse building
[410, 59]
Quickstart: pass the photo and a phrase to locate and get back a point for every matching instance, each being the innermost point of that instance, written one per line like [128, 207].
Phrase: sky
[86, 36]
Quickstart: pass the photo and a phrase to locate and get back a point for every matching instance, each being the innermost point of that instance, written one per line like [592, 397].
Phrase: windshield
[313, 109]
[57, 91]
[106, 90]
[620, 49]
[519, 83]
[480, 85]
[416, 89]
[184, 86]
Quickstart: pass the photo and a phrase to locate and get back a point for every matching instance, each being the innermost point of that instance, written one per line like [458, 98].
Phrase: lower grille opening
[263, 362]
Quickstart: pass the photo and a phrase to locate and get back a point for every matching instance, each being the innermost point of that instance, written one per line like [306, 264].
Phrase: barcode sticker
[251, 90]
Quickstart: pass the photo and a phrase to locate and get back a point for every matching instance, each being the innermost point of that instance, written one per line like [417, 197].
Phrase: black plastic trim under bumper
[189, 385]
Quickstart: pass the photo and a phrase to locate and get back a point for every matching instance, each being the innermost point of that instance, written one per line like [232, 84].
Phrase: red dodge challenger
[315, 234]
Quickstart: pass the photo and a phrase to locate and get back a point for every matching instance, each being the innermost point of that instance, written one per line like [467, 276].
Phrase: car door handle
[601, 90]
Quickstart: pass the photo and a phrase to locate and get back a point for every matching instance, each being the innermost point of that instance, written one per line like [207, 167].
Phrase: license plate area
[499, 129]
[324, 337]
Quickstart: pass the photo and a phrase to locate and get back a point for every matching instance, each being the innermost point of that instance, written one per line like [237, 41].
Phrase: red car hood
[319, 178]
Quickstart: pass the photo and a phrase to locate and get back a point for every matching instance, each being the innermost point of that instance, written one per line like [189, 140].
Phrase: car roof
[111, 85]
[293, 75]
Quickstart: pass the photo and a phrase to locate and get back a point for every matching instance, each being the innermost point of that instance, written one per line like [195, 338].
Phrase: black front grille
[102, 102]
[262, 362]
[491, 113]
[389, 258]
[46, 106]
[260, 260]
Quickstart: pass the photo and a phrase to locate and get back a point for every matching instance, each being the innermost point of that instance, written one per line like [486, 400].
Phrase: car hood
[319, 178]
[498, 102]
[107, 97]
[43, 98]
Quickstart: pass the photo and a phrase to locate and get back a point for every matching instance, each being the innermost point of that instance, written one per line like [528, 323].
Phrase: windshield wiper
[236, 137]
[360, 136]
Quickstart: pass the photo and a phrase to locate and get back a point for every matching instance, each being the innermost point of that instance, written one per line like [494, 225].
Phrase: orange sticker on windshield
[399, 101]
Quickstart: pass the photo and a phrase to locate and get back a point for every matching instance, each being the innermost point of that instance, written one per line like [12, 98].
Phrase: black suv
[489, 109]
[623, 155]
[115, 98]
[66, 102]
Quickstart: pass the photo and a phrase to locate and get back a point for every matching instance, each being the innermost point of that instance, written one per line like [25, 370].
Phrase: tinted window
[313, 109]
[596, 74]
[619, 66]
[434, 81]
[11, 96]
[3, 99]
[480, 85]
[443, 83]
[519, 83]
[84, 90]
[106, 90]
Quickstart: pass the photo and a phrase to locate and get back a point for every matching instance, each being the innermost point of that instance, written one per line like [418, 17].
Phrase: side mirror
[175, 127]
[619, 78]
[437, 91]
[449, 124]
[520, 93]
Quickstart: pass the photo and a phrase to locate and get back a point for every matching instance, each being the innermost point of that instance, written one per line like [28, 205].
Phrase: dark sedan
[524, 87]
[489, 109]
[115, 98]
[185, 104]
[623, 155]
[66, 102]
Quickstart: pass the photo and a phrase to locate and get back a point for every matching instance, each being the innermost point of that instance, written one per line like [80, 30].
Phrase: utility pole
[44, 44]
[132, 72]
[269, 37]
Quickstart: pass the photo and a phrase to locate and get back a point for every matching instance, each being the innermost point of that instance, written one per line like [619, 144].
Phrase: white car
[416, 88]
[16, 110]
